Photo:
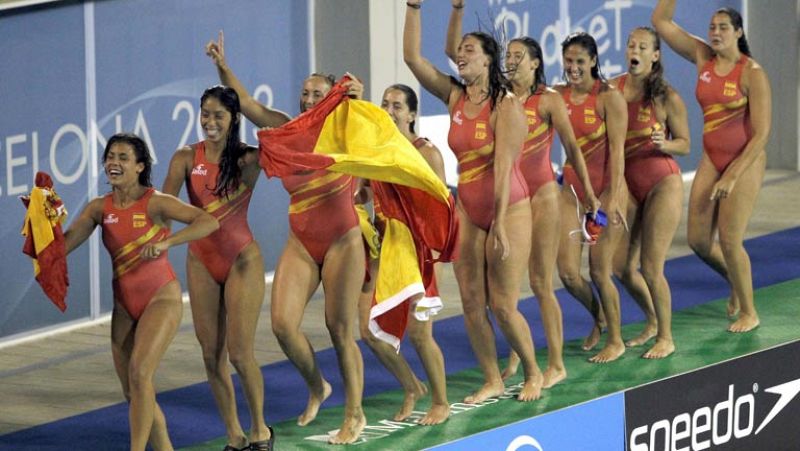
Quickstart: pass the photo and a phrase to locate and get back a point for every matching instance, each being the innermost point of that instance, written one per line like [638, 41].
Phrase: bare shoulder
[614, 82]
[560, 88]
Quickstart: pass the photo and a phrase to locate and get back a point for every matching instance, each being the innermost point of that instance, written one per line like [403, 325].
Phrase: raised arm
[166, 207]
[454, 27]
[433, 80]
[510, 128]
[685, 44]
[677, 125]
[616, 117]
[759, 99]
[83, 226]
[253, 110]
[557, 110]
[176, 174]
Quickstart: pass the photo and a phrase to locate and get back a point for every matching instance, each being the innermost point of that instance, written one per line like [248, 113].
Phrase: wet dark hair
[655, 86]
[588, 43]
[498, 84]
[738, 24]
[230, 174]
[139, 149]
[329, 78]
[411, 99]
[535, 52]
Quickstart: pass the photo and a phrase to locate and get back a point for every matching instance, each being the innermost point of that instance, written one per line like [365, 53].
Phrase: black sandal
[264, 445]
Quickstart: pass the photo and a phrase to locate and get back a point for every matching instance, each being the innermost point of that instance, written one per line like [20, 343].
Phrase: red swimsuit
[726, 116]
[125, 232]
[321, 209]
[219, 250]
[535, 158]
[590, 131]
[472, 141]
[645, 165]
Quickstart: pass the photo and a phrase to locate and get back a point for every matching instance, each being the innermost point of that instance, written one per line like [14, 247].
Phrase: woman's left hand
[497, 233]
[723, 187]
[355, 88]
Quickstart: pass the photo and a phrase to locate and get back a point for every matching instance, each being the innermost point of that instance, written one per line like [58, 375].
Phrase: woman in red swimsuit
[598, 116]
[734, 92]
[147, 297]
[400, 101]
[225, 270]
[657, 130]
[324, 246]
[487, 131]
[545, 113]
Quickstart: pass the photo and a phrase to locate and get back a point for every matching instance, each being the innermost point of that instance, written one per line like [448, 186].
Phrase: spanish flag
[357, 138]
[44, 240]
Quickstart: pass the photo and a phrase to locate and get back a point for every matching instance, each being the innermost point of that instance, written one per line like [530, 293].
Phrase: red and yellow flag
[358, 138]
[44, 240]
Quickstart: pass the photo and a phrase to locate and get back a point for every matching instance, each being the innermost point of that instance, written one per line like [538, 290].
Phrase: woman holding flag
[324, 246]
[400, 101]
[487, 131]
[147, 297]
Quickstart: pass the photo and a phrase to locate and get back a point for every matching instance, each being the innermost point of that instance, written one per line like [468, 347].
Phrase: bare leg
[543, 256]
[296, 279]
[659, 222]
[626, 269]
[244, 294]
[470, 270]
[569, 269]
[388, 356]
[421, 336]
[342, 276]
[734, 214]
[154, 332]
[601, 257]
[504, 278]
[702, 224]
[208, 316]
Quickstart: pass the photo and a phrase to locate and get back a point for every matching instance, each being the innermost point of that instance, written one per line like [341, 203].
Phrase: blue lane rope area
[192, 417]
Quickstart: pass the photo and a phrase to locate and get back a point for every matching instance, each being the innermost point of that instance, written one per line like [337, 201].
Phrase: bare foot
[733, 306]
[661, 349]
[511, 367]
[745, 323]
[648, 333]
[410, 401]
[487, 391]
[609, 353]
[314, 401]
[532, 388]
[552, 376]
[593, 338]
[436, 415]
[350, 430]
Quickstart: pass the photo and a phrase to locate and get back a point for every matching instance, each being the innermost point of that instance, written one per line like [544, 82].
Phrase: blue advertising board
[602, 424]
[75, 74]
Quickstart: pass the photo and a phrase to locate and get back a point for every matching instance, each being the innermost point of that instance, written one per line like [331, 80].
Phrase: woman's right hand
[457, 4]
[413, 2]
[216, 50]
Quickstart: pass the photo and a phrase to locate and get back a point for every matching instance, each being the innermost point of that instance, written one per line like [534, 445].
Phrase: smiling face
[641, 53]
[578, 64]
[471, 60]
[120, 165]
[722, 34]
[395, 103]
[518, 63]
[215, 120]
[315, 88]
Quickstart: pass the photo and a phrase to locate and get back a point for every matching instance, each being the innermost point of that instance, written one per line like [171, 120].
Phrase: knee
[700, 246]
[367, 336]
[339, 330]
[651, 272]
[729, 244]
[420, 338]
[503, 312]
[138, 378]
[541, 286]
[569, 277]
[240, 355]
[599, 275]
[282, 330]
